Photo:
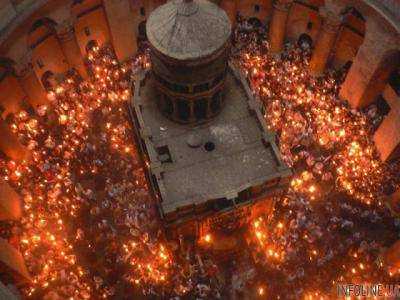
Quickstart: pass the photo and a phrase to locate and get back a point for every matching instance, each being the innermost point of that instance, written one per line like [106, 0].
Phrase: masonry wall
[92, 25]
[302, 19]
[260, 9]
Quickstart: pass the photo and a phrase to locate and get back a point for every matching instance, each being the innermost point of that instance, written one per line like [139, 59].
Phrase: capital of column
[283, 5]
[65, 31]
[331, 19]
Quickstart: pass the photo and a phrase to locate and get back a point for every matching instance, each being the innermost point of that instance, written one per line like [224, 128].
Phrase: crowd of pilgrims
[90, 227]
[332, 225]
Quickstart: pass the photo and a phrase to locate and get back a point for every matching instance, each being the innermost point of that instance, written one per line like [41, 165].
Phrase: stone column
[122, 27]
[36, 94]
[192, 117]
[365, 81]
[10, 202]
[387, 136]
[10, 145]
[277, 25]
[11, 95]
[70, 47]
[325, 42]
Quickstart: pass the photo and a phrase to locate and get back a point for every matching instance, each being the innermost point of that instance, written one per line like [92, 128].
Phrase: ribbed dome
[188, 29]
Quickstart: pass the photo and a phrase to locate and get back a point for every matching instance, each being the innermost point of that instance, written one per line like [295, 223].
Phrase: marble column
[10, 202]
[36, 94]
[10, 145]
[70, 47]
[122, 23]
[277, 27]
[12, 95]
[325, 42]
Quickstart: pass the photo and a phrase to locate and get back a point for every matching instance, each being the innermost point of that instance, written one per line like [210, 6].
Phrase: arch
[48, 80]
[389, 64]
[255, 22]
[40, 30]
[355, 20]
[350, 37]
[91, 45]
[261, 9]
[45, 21]
[305, 41]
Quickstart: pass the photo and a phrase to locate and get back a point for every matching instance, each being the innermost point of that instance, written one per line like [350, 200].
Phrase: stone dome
[187, 30]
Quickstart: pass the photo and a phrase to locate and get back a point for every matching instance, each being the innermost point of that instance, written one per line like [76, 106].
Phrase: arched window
[47, 22]
[91, 45]
[350, 37]
[255, 22]
[48, 80]
[305, 41]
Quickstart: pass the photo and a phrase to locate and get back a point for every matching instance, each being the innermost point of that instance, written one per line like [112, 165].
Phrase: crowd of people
[332, 225]
[90, 227]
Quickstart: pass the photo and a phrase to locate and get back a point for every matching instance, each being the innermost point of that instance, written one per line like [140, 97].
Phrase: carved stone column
[70, 47]
[122, 22]
[277, 27]
[36, 94]
[325, 42]
[10, 202]
[10, 145]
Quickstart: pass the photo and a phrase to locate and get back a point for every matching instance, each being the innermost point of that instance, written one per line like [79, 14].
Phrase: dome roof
[185, 30]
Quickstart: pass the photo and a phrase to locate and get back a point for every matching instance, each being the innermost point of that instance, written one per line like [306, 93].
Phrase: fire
[208, 238]
[70, 231]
